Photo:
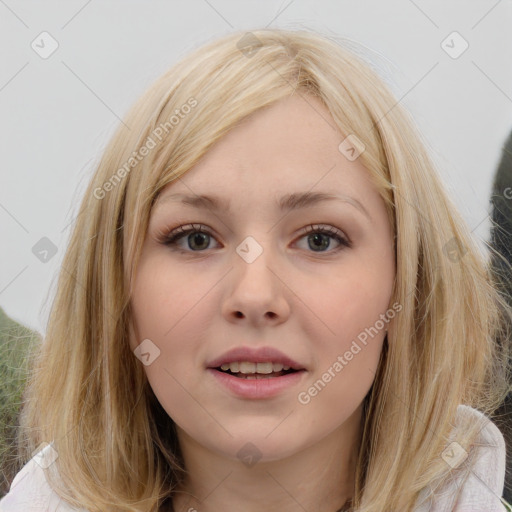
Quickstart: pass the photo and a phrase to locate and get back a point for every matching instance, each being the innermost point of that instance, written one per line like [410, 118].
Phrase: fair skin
[307, 295]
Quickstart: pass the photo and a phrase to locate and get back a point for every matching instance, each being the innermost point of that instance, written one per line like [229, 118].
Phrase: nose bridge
[254, 257]
[255, 290]
[256, 284]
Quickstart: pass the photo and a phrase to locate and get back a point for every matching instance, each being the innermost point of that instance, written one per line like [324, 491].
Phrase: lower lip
[257, 388]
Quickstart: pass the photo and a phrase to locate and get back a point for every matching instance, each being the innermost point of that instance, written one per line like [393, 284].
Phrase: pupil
[197, 236]
[318, 236]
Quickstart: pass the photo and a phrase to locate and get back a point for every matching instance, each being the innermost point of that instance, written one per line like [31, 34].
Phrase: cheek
[164, 305]
[348, 352]
[351, 300]
[165, 296]
[349, 330]
[171, 372]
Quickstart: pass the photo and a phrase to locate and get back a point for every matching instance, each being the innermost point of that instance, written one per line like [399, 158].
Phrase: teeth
[245, 367]
[264, 368]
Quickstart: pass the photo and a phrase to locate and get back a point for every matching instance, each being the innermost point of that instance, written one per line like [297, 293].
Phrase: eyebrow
[287, 203]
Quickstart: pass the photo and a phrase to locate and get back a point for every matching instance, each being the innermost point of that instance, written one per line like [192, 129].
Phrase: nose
[257, 292]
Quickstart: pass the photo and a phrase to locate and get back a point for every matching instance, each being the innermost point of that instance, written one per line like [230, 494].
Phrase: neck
[318, 478]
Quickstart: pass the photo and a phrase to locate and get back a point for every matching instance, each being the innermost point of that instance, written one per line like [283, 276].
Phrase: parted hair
[88, 394]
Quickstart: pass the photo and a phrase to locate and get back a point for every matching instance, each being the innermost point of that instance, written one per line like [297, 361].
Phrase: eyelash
[171, 239]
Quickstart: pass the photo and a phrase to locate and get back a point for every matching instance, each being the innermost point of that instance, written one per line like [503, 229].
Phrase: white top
[481, 490]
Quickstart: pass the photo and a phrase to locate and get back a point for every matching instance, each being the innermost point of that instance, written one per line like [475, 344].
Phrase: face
[283, 282]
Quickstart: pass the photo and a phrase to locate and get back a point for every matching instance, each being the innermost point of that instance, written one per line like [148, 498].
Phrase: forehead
[286, 156]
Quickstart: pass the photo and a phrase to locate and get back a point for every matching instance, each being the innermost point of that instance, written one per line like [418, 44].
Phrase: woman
[269, 304]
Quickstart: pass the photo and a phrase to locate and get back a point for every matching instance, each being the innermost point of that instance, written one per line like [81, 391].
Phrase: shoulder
[477, 478]
[481, 486]
[31, 492]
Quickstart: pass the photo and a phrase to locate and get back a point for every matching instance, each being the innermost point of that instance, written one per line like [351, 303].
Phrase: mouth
[256, 373]
[249, 370]
[256, 381]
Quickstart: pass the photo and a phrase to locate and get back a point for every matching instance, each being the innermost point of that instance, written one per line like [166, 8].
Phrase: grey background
[56, 114]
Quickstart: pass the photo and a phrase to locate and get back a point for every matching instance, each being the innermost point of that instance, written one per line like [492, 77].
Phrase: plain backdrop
[57, 113]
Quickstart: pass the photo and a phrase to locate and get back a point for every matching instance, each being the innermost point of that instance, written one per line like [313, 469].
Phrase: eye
[196, 235]
[320, 237]
[197, 238]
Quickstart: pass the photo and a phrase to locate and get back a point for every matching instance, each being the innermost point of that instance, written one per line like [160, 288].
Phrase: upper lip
[255, 355]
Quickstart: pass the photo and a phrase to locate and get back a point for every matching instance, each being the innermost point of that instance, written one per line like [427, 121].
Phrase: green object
[501, 241]
[501, 233]
[16, 344]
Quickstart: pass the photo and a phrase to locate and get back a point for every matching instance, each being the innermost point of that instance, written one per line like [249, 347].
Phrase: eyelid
[171, 237]
[327, 229]
[166, 234]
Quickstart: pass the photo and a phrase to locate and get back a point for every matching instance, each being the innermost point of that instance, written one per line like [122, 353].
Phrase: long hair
[88, 393]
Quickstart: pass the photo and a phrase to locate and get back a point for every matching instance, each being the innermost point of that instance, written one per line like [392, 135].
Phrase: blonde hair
[441, 350]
